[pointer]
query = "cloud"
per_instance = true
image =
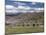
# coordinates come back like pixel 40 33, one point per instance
pixel 33 3
pixel 30 10
pixel 23 7
pixel 19 3
pixel 12 9
pixel 9 7
pixel 12 0
pixel 38 8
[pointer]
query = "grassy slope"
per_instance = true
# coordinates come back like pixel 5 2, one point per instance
pixel 36 16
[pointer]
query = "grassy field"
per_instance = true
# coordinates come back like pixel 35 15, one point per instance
pixel 15 30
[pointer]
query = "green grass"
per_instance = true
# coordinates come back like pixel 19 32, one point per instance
pixel 23 30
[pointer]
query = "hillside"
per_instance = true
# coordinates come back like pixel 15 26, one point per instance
pixel 26 22
pixel 25 17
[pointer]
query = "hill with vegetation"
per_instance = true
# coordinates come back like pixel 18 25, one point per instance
pixel 25 23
